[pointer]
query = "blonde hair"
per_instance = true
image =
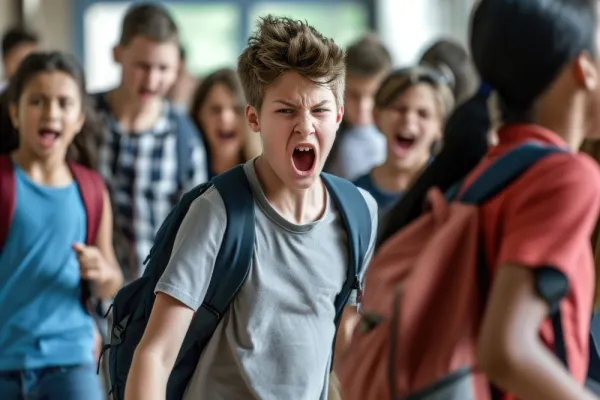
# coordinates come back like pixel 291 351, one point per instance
pixel 399 81
pixel 282 44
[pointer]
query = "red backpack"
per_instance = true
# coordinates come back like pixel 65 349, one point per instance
pixel 91 189
pixel 424 297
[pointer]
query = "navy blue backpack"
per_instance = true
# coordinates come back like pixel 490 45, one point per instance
pixel 133 304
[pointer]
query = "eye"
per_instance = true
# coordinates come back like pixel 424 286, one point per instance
pixel 65 102
pixel 321 110
pixel 285 111
pixel 425 114
pixel 34 101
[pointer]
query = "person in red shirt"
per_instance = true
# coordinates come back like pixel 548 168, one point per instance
pixel 541 58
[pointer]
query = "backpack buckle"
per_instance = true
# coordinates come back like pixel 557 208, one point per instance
pixel 117 331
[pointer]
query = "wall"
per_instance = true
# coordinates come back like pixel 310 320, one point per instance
pixel 8 16
pixel 52 20
pixel 408 29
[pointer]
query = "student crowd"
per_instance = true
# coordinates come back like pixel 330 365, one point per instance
pixel 312 223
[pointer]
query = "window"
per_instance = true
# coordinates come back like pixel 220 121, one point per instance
pixel 213 33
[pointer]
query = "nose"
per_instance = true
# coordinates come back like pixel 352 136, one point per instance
pixel 304 125
pixel 52 109
pixel 152 78
pixel 409 119
pixel 228 118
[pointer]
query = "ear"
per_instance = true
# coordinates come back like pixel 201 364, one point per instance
pixel 117 53
pixel 586 72
pixel 14 113
pixel 340 116
pixel 253 118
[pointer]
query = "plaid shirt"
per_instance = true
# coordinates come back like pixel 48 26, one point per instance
pixel 141 172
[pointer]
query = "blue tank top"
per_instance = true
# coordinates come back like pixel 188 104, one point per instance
pixel 42 320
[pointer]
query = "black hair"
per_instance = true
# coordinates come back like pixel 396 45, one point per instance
pixel 465 144
pixel 15 37
pixel 452 60
pixel 83 147
pixel 520 47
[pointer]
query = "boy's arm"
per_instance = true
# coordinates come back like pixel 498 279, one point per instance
pixel 180 292
pixel 510 350
pixel 157 351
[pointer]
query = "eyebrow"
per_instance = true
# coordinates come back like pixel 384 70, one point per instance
pixel 288 104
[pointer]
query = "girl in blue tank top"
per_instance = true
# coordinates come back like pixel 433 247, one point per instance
pixel 46 334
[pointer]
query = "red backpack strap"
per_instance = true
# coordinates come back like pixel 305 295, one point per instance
pixel 91 189
pixel 7 196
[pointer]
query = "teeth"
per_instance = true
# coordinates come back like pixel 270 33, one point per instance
pixel 303 148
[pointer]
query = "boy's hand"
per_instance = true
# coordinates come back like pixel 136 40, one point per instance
pixel 93 266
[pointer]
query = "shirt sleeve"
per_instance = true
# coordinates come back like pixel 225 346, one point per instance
pixel 195 251
pixel 549 218
pixel 373 210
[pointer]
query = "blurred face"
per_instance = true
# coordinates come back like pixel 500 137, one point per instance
pixel 48 114
pixel 298 122
pixel 222 119
pixel 15 56
pixel 149 68
pixel 411 125
pixel 359 95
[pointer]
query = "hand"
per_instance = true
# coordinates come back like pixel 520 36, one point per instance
pixel 92 265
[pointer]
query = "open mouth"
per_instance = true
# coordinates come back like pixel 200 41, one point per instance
pixel 146 93
pixel 48 136
pixel 226 135
pixel 304 158
pixel 404 142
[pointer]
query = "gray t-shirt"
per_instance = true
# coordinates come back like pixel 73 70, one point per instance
pixel 275 342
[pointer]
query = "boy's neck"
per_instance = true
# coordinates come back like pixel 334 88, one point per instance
pixel 131 114
pixel 297 206
pixel 52 171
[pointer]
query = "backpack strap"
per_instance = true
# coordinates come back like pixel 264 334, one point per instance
pixel 357 220
pixel 505 170
pixel 235 255
pixel 91 189
pixel 233 260
pixel 551 285
pixel 7 196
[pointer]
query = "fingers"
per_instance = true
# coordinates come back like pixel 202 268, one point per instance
pixel 85 254
pixel 79 248
pixel 91 274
